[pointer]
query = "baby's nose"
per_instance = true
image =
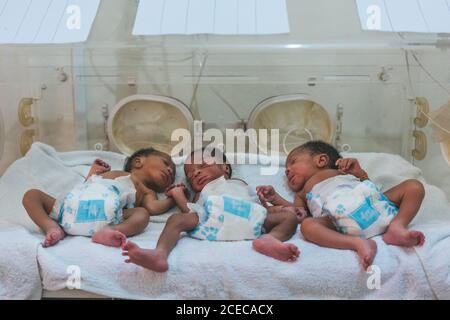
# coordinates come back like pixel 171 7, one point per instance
pixel 286 172
pixel 196 172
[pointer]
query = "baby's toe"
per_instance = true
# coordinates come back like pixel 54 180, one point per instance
pixel 419 236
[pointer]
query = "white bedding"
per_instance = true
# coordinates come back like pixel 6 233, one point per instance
pixel 232 270
pixel 19 273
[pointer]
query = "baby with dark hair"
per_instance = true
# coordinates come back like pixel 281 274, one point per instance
pixel 109 205
pixel 346 209
pixel 222 209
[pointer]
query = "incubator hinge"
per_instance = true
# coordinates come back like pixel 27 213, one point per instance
pixel 105 113
pixel 420 121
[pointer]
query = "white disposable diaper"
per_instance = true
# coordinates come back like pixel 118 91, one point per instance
pixel 356 208
pixel 228 210
pixel 94 204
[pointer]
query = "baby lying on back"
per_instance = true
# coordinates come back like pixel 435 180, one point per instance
pixel 222 209
pixel 109 205
pixel 348 209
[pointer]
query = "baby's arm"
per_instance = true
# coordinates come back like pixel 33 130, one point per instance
pixel 154 205
pixel 352 166
pixel 196 197
pixel 267 194
pixel 298 208
pixel 147 198
pixel 99 167
pixel 179 194
pixel 114 174
pixel 299 200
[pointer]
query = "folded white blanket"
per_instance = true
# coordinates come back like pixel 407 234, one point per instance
pixel 200 269
pixel 19 272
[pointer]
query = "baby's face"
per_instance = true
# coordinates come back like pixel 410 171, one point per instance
pixel 300 167
pixel 160 171
pixel 200 174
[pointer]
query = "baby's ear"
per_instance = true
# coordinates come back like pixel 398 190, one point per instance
pixel 226 169
pixel 322 161
pixel 138 163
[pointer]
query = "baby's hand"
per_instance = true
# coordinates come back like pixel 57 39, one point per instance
pixel 300 212
pixel 350 166
pixel 266 194
pixel 177 189
pixel 101 165
pixel 98 167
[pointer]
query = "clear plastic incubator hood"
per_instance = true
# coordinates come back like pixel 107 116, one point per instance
pixel 371 78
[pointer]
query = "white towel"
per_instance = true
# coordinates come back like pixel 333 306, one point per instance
pixel 19 272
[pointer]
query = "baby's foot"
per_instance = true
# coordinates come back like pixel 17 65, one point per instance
pixel 366 250
pixel 272 247
pixel 154 260
pixel 398 235
pixel 109 237
pixel 52 236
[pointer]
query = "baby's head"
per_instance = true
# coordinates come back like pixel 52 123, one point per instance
pixel 154 168
pixel 204 166
pixel 306 160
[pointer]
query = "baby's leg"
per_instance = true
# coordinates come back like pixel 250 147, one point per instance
pixel 274 209
pixel 281 227
pixel 321 231
pixel 39 205
pixel 135 221
pixel 408 197
pixel 156 259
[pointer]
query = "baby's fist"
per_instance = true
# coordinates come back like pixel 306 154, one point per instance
pixel 101 166
pixel 349 166
pixel 177 189
pixel 266 193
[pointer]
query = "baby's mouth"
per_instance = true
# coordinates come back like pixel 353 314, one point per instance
pixel 291 179
pixel 202 180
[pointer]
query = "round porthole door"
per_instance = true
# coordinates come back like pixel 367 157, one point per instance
pixel 297 118
pixel 143 121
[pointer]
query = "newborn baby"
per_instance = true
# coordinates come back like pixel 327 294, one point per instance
pixel 108 205
pixel 222 209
